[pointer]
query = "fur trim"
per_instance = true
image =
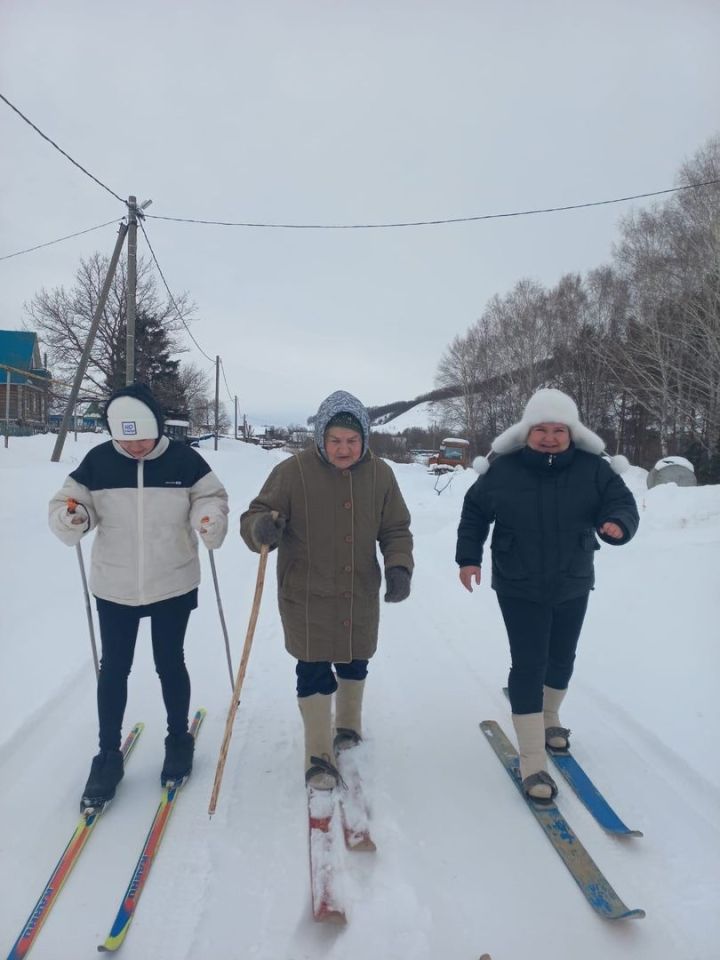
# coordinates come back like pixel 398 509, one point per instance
pixel 619 463
pixel 548 406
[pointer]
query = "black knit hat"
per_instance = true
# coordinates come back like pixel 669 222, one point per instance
pixel 345 420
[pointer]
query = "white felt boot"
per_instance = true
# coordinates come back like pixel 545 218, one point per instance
pixel 530 732
pixel 320 771
pixel 348 713
pixel 556 736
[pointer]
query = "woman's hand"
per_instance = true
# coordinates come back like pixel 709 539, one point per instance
pixel 612 530
pixel 467 574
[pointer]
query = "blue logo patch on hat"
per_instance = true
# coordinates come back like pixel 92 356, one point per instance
pixel 129 428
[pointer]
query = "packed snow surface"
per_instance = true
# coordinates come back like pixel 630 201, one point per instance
pixel 461 868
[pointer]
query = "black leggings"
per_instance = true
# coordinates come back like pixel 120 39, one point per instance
pixel 319 677
pixel 118 629
pixel 543 639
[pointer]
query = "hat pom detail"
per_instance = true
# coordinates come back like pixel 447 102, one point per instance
pixel 481 465
pixel 619 463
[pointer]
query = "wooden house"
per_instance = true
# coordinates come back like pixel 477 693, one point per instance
pixel 24 382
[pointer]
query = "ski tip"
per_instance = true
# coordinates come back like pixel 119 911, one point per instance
pixel 632 915
pixel 364 845
pixel 330 916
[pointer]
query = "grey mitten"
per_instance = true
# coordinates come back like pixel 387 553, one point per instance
pixel 397 583
pixel 266 531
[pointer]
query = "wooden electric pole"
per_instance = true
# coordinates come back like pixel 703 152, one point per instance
pixel 131 291
pixel 83 362
pixel 217 399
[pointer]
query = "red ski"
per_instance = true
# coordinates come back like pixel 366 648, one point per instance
pixel 353 804
pixel 325 856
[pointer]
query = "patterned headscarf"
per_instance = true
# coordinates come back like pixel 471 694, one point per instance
pixel 341 402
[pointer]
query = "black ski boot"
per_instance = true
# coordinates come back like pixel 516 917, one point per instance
pixel 106 772
pixel 179 748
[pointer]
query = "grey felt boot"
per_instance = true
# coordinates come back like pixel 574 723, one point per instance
pixel 320 771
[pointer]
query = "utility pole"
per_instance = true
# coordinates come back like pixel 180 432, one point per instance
pixel 131 291
pixel 217 399
pixel 236 416
pixel 82 364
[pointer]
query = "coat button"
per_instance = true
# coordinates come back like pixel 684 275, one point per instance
pixel 346 623
pixel 347 568
pixel 347 504
pixel 348 539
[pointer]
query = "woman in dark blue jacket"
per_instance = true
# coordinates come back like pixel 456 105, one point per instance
pixel 550 494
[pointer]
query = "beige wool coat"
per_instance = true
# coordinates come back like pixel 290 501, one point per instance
pixel 327 568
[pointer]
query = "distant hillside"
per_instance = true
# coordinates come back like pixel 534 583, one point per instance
pixel 389 411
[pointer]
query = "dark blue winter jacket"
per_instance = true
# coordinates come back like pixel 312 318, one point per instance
pixel 547 512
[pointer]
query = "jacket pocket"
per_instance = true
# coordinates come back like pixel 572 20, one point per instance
pixel 506 560
pixel 290 581
pixel 583 562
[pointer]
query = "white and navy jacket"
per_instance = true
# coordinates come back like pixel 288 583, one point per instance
pixel 144 514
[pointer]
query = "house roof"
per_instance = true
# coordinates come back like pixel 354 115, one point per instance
pixel 19 348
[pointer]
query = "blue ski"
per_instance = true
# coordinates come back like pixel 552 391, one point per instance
pixel 585 872
pixel 588 793
pixel 128 905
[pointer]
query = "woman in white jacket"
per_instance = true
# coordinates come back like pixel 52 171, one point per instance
pixel 144 496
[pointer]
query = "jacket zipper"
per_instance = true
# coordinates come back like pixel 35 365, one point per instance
pixel 141 552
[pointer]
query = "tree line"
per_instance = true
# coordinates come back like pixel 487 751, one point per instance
pixel 62 318
pixel 635 342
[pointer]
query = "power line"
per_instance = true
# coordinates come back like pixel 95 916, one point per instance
pixel 39 246
pixel 429 223
pixel 169 293
pixel 227 385
pixel 66 155
pixel 177 310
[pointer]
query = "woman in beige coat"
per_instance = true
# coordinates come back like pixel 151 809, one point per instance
pixel 334 502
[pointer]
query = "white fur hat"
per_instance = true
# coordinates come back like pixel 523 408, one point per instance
pixel 131 419
pixel 549 406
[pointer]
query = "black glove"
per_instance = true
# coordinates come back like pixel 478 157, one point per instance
pixel 266 531
pixel 397 582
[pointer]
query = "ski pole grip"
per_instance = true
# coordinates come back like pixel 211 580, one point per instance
pixel 72 505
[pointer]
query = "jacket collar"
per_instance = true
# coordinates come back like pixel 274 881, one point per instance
pixel 157 451
pixel 543 461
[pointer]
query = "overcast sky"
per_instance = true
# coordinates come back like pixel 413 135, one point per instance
pixel 342 111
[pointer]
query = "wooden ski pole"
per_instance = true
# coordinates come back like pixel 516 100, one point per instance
pixel 235 702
